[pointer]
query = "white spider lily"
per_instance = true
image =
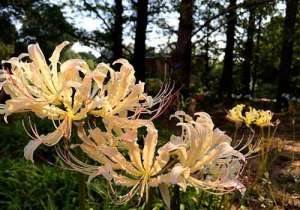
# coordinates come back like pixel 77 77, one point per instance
pixel 202 157
pixel 141 170
pixel 125 98
pixel 36 87
pixel 60 93
pixel 206 160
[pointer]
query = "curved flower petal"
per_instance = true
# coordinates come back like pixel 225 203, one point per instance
pixel 54 61
pixel 211 163
pixel 165 194
pixel 30 148
pixel 39 61
pixel 149 148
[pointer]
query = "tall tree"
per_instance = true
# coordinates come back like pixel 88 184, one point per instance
pixel 183 51
pixel 118 29
pixel 45 24
pixel 140 38
pixel 7 37
pixel 108 38
pixel 226 79
pixel 287 49
pixel 248 53
pixel 257 54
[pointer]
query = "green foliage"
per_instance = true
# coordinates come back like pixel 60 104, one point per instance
pixel 153 85
pixel 6 50
pixel 44 23
pixel 26 186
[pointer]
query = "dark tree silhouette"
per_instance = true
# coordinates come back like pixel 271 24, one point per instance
pixel 183 51
pixel 257 55
pixel 248 54
pixel 117 30
pixel 140 38
pixel 286 50
pixel 226 79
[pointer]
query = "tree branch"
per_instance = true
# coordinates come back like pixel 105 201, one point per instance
pixel 89 7
pixel 241 5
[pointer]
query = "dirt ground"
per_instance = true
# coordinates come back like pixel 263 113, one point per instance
pixel 285 167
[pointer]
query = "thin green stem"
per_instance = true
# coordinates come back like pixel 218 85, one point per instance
pixel 221 201
pixel 272 194
pixel 262 142
pixel 294 131
pixel 82 191
pixel 149 203
pixel 210 201
pixel 235 133
pixel 175 203
pixel 81 185
pixel 201 197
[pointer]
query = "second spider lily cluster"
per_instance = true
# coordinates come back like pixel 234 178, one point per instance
pixel 260 118
pixel 69 94
pixel 265 142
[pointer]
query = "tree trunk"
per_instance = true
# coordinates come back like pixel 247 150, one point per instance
pixel 206 47
pixel 140 38
pixel 118 30
pixel 226 79
pixel 257 56
pixel 206 61
pixel 183 51
pixel 286 51
pixel 248 54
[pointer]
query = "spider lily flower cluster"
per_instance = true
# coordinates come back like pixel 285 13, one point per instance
pixel 69 92
pixel 260 118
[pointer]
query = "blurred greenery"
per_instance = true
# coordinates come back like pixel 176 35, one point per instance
pixel 24 185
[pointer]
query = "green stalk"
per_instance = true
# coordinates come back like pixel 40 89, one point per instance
pixel 294 131
pixel 235 133
pixel 263 142
pixel 149 203
pixel 82 191
pixel 269 143
pixel 210 201
pixel 260 167
pixel 175 203
pixel 272 194
pixel 201 197
pixel 81 184
pixel 221 201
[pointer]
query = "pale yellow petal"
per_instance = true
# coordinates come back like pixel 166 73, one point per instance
pixel 165 194
pixel 113 154
pixel 150 142
pixel 38 59
pixel 54 61
pixel 30 148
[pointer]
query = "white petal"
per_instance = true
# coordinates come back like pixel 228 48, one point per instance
pixel 30 148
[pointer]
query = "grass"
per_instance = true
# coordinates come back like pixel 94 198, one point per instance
pixel 24 185
pixel 27 186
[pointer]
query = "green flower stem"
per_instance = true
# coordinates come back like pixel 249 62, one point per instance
pixel 82 191
pixel 235 133
pixel 210 201
pixel 81 183
pixel 149 204
pixel 221 201
pixel 175 203
pixel 201 197
pixel 263 142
